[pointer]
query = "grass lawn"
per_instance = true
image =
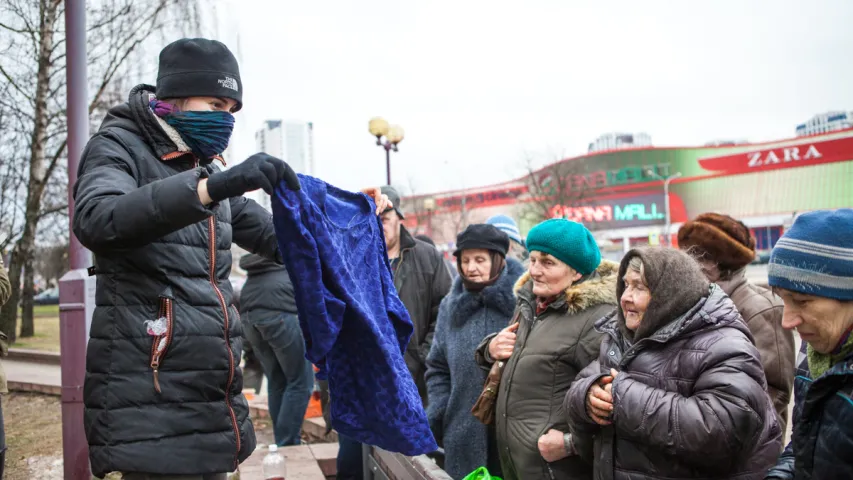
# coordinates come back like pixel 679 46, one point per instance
pixel 46 319
pixel 34 436
pixel 44 311
pixel 33 428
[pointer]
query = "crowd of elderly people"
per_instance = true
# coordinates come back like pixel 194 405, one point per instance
pixel 668 365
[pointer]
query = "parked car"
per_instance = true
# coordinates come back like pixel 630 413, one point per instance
pixel 47 297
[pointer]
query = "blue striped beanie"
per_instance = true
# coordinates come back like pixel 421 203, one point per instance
pixel 507 225
pixel 815 256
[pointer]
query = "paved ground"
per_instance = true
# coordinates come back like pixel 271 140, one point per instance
pixel 301 462
pixel 32 373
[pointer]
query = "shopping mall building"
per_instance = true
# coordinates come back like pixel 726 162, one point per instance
pixel 619 194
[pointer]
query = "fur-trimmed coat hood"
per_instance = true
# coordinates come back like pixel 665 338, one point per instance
pixel 598 289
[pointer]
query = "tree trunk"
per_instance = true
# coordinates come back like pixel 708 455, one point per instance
pixel 27 324
pixel 48 11
pixel 9 311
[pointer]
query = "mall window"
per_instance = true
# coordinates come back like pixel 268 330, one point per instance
pixel 766 237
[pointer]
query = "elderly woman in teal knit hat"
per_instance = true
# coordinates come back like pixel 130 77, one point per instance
pixel 811 268
pixel 566 289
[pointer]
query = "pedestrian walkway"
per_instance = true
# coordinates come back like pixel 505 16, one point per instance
pixel 33 377
pixel 303 462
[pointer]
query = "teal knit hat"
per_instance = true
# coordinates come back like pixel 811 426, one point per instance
pixel 568 241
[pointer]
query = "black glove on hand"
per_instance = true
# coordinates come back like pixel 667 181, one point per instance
pixel 260 171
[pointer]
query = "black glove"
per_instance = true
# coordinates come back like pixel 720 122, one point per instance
pixel 260 171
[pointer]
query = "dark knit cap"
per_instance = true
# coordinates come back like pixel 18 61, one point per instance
pixel 484 236
pixel 198 67
pixel 726 241
pixel 568 241
pixel 675 281
pixel 394 198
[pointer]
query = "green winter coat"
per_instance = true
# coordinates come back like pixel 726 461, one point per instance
pixel 551 349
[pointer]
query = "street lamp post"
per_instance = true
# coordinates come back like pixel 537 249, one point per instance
pixel 666 181
pixel 76 287
pixel 393 134
pixel 429 205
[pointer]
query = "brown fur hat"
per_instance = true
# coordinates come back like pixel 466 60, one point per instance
pixel 725 241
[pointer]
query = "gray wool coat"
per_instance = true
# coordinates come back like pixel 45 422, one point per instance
pixel 454 379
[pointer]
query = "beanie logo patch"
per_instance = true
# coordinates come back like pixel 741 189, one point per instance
pixel 229 82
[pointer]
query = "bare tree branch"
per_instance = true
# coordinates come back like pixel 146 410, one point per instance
pixel 110 20
pixel 54 159
pixel 14 84
pixel 33 177
pixel 52 210
pixel 15 30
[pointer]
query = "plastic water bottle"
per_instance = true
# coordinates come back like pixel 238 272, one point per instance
pixel 273 465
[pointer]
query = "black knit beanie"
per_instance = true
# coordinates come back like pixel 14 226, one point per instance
pixel 482 235
pixel 198 67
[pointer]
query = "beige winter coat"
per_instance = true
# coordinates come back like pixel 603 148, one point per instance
pixel 762 312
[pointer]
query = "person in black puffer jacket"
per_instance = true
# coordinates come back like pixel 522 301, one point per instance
pixel 271 325
pixel 678 390
pixel 163 385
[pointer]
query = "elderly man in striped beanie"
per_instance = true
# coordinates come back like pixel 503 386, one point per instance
pixel 811 268
pixel 506 224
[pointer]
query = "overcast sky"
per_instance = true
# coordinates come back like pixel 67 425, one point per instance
pixel 481 85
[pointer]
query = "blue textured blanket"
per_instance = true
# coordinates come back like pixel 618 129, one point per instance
pixel 355 326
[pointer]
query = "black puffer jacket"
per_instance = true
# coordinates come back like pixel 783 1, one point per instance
pixel 268 286
pixel 690 399
pixel 160 252
pixel 821 446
